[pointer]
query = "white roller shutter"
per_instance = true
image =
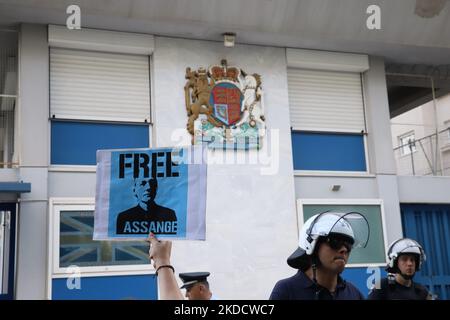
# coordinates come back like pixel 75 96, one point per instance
pixel 89 85
pixel 325 100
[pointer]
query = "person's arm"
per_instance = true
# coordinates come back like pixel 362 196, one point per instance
pixel 167 283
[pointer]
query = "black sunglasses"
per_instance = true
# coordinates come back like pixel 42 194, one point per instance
pixel 336 242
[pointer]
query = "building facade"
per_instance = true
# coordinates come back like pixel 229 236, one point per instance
pixel 425 154
pixel 118 83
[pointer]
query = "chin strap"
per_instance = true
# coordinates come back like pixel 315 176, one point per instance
pixel 314 270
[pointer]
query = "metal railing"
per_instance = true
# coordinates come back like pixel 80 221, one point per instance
pixel 427 156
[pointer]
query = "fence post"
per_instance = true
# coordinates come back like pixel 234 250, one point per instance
pixel 412 156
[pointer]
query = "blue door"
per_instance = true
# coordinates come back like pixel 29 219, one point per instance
pixel 430 226
pixel 7 249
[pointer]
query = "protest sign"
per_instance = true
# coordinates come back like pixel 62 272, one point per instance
pixel 139 191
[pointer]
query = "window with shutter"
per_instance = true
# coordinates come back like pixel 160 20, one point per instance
pixel 87 85
pixel 325 101
pixel 327 110
pixel 98 100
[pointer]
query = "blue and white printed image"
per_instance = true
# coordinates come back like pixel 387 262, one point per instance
pixel 160 190
pixel 148 193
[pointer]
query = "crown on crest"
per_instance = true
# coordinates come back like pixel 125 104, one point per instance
pixel 223 72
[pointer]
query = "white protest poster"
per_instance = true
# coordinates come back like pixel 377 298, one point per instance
pixel 139 191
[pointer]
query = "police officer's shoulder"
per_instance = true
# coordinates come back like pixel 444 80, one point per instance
pixel 286 288
pixel 379 289
pixel 421 290
pixel 382 284
pixel 353 291
pixel 288 283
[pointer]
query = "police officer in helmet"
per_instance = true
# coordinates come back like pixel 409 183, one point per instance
pixel 325 243
pixel 406 257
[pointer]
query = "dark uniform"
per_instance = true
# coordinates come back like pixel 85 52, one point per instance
pixel 392 290
pixel 301 287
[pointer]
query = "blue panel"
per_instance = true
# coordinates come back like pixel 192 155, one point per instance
pixel 15 187
pixel 328 151
pixel 76 143
pixel 359 276
pixel 134 287
pixel 430 226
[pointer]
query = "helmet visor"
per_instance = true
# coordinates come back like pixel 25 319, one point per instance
pixel 358 225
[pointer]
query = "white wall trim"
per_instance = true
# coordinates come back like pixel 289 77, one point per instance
pixel 368 265
pixel 53 269
pixel 71 168
pixel 101 40
pixel 340 174
pixel 376 202
pixel 326 60
pixel 423 189
pixel 49 249
pixel 328 130
pixel 16 251
pixel 85 274
pixel 366 153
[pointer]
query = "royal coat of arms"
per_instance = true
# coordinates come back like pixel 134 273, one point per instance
pixel 225 107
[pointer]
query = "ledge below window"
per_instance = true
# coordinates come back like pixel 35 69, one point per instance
pixel 15 187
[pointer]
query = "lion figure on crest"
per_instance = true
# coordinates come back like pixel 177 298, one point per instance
pixel 197 91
